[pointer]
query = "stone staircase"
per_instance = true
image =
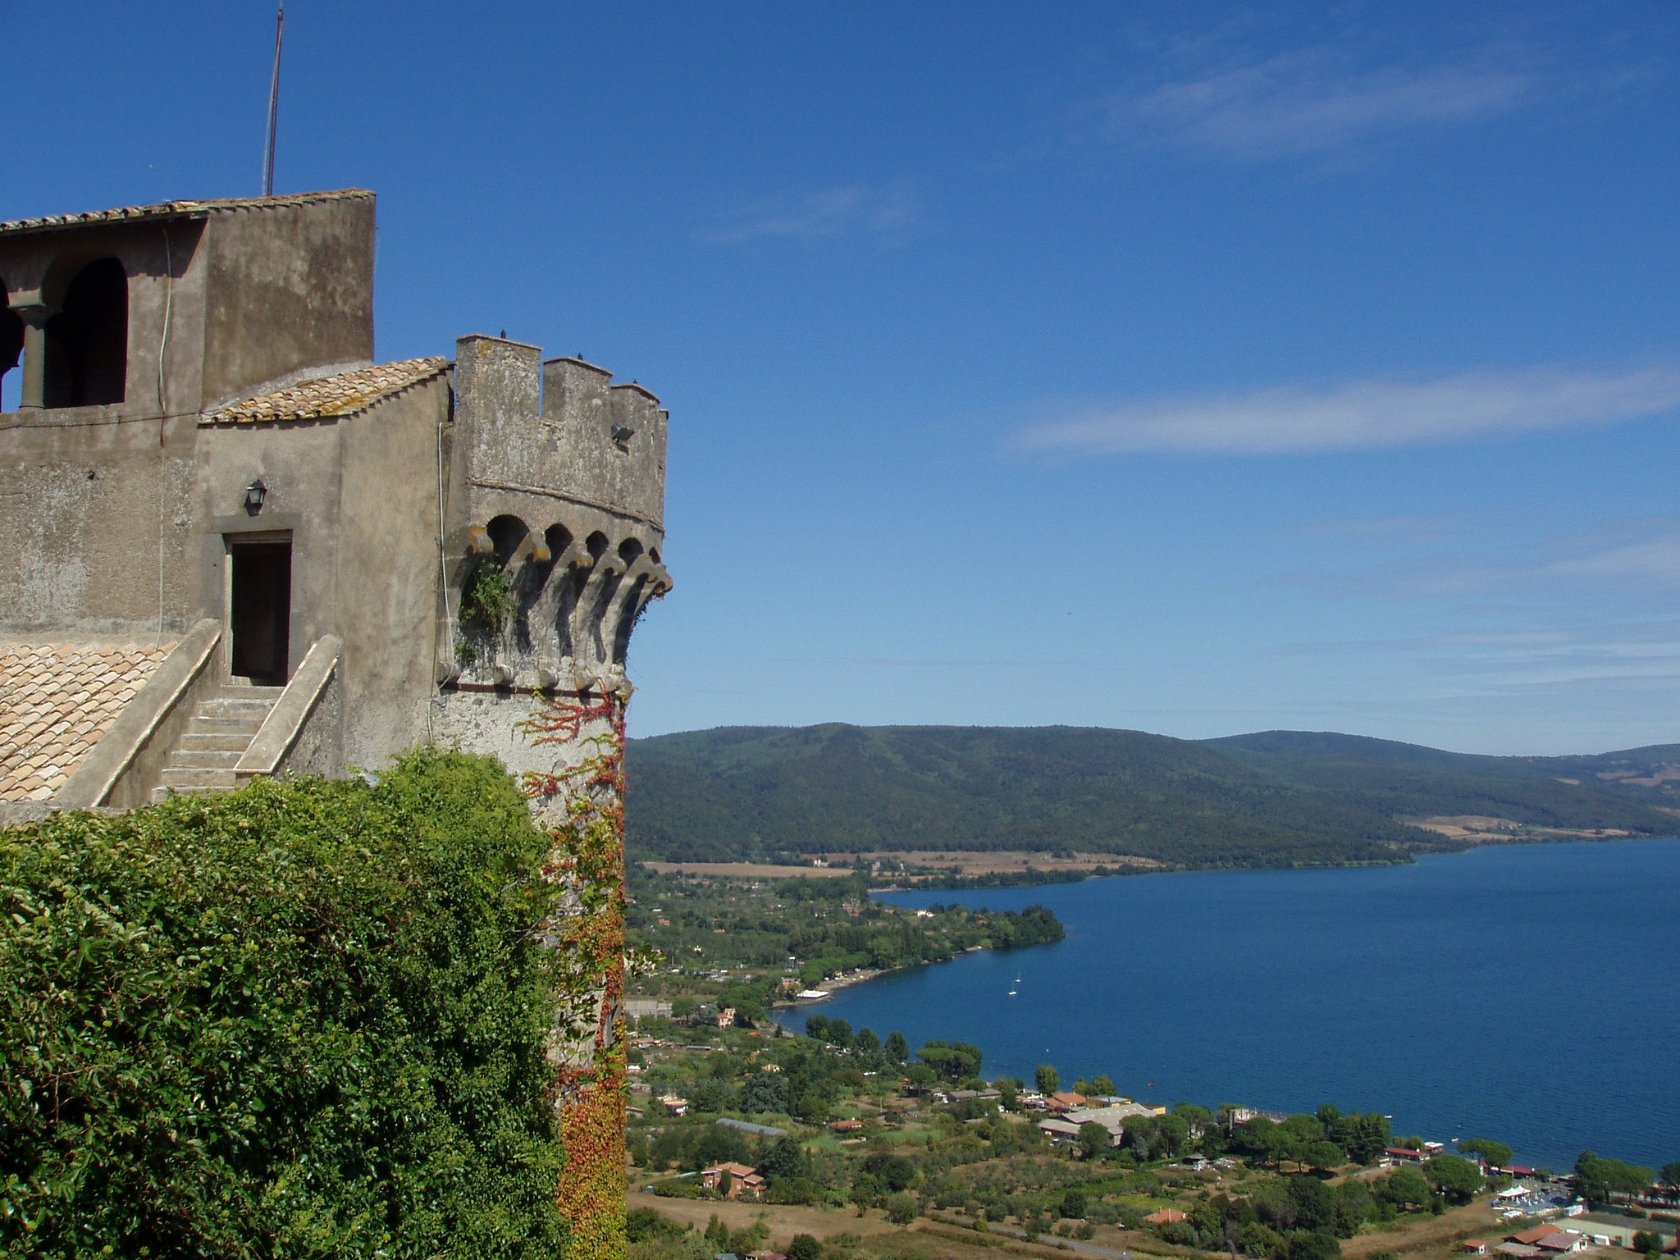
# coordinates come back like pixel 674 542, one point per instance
pixel 219 732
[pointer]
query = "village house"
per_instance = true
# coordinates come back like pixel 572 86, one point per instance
pixel 733 1181
pixel 1064 1101
pixel 1542 1241
pixel 674 1104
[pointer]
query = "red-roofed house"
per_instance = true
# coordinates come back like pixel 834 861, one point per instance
pixel 744 1182
pixel 1065 1100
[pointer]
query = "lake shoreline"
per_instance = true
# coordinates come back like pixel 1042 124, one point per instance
pixel 1355 969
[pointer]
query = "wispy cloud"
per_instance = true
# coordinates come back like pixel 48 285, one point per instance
pixel 1655 559
pixel 1633 563
pixel 825 212
pixel 1365 415
pixel 1314 101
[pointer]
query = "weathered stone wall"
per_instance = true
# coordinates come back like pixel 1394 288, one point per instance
pixel 558 478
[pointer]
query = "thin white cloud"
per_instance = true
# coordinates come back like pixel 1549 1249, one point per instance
pixel 1313 101
pixel 1654 559
pixel 825 212
pixel 1365 415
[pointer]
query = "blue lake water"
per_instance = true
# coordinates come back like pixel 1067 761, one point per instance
pixel 1522 992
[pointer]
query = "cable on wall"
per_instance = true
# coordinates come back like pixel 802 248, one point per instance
pixel 163 414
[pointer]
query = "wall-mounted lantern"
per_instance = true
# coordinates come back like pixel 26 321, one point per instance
pixel 255 493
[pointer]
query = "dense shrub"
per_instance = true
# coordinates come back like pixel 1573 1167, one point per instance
pixel 306 1019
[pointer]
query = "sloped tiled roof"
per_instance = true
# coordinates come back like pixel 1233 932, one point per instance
pixel 342 394
pixel 56 701
pixel 177 210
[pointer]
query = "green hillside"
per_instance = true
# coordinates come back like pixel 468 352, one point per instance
pixel 1278 798
pixel 1409 781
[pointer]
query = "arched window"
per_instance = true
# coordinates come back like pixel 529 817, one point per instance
pixel 11 352
pixel 87 341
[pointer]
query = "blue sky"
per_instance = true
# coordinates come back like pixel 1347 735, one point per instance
pixel 1193 368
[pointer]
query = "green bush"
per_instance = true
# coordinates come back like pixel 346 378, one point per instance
pixel 305 1019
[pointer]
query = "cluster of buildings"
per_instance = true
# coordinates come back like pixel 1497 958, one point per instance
pixel 1071 1112
pixel 1599 1230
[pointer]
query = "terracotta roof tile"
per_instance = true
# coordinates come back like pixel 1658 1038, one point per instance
pixel 56 701
pixel 342 394
pixel 176 210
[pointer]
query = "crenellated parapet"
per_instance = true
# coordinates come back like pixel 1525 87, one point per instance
pixel 557 488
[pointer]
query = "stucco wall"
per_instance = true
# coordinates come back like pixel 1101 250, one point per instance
pixel 96 524
pixel 289 287
pixel 299 462
pixel 388 571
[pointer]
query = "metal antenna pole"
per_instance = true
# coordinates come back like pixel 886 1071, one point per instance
pixel 273 103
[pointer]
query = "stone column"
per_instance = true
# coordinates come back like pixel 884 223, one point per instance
pixel 34 313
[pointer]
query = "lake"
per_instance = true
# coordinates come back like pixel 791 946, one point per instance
pixel 1518 992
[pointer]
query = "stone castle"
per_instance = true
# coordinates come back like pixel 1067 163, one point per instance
pixel 233 545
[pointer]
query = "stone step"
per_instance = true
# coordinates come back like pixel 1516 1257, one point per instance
pixel 158 795
pixel 235 707
pixel 220 731
pixel 201 742
pixel 246 726
pixel 205 758
pixel 188 778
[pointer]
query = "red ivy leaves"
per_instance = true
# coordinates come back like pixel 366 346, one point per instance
pixel 589 855
pixel 592 1188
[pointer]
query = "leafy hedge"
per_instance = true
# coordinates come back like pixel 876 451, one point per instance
pixel 306 1019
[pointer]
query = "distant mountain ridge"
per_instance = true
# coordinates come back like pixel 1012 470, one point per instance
pixel 1273 798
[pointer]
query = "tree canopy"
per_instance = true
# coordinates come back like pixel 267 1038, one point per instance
pixel 309 1013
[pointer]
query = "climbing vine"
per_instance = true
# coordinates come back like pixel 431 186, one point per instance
pixel 588 861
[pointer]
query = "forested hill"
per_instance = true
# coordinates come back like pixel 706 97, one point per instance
pixel 1274 799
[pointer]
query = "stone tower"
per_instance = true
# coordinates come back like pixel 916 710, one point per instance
pixel 232 544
